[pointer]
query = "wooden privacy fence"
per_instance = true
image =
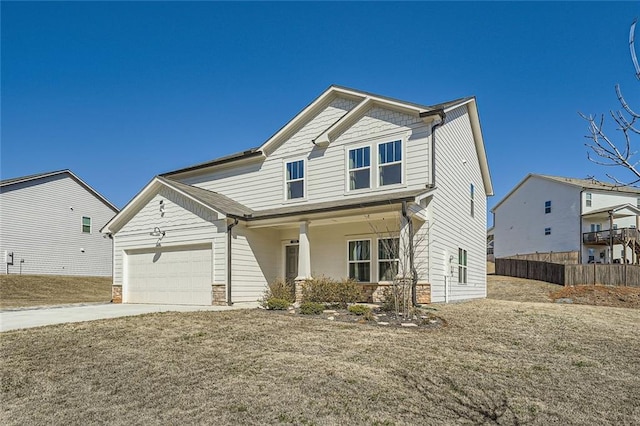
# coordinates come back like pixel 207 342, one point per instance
pixel 591 274
pixel 549 256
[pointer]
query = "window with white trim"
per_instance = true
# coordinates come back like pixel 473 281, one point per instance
pixel 390 163
pixel 295 179
pixel 462 266
pixel 472 191
pixel 86 225
pixel 588 199
pixel 638 202
pixel 360 260
pixel 360 168
pixel 547 231
pixel 547 207
pixel 388 258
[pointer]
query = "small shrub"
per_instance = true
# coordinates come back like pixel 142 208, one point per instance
pixel 277 304
pixel 311 308
pixel 390 298
pixel 326 290
pixel 279 289
pixel 368 316
pixel 359 309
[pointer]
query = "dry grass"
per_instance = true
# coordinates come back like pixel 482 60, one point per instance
pixel 41 290
pixel 519 289
pixel 498 362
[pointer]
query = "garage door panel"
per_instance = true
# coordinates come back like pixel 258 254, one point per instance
pixel 170 276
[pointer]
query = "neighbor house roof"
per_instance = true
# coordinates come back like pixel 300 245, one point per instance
pixel 620 210
pixel 575 182
pixel 366 100
pixel 6 183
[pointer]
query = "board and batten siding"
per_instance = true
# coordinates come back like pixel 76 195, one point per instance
pixel 325 168
pixel 452 226
pixel 520 221
pixel 184 222
pixel 41 223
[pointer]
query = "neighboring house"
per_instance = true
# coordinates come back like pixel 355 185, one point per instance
pixel 50 225
pixel 556 214
pixel 337 192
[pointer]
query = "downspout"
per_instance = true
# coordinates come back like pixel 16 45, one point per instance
pixel 443 116
pixel 414 273
pixel 229 228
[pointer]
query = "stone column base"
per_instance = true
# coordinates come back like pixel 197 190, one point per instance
pixel 218 294
pixel 116 294
pixel 298 289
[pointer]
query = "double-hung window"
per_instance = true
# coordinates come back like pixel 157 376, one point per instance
pixel 390 163
pixel 86 225
pixel 547 207
pixel 295 179
pixel 588 199
pixel 472 191
pixel 388 258
pixel 360 260
pixel 360 168
pixel 462 266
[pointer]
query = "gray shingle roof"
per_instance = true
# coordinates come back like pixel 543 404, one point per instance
pixel 4 182
pixel 216 201
pixel 592 184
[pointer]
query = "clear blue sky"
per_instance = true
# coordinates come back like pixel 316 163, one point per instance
pixel 121 92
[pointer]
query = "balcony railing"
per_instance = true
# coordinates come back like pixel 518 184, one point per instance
pixel 619 235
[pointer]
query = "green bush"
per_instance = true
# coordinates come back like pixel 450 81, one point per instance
pixel 277 304
pixel 279 289
pixel 359 309
pixel 326 290
pixel 311 308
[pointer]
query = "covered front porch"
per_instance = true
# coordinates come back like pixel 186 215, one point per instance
pixel 374 245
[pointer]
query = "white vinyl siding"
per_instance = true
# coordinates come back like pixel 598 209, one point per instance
pixel 41 223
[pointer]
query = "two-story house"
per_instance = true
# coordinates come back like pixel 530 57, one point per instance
pixel 598 221
pixel 50 225
pixel 350 187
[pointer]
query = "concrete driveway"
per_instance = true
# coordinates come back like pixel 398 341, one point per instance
pixel 14 319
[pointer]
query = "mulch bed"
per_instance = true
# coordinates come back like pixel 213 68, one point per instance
pixel 421 318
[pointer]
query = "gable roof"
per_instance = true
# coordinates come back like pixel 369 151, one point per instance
pixel 366 101
pixel 620 210
pixel 5 183
pixel 575 182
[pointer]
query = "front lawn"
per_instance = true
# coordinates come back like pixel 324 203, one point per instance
pixel 496 362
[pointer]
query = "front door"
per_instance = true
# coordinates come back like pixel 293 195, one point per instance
pixel 291 263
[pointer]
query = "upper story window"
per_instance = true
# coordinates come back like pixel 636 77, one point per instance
pixel 388 258
pixel 390 163
pixel 360 260
pixel 638 202
pixel 547 231
pixel 360 168
pixel 472 191
pixel 547 207
pixel 295 179
pixel 462 266
pixel 86 225
pixel 588 199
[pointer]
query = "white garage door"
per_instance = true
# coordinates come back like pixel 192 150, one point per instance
pixel 180 275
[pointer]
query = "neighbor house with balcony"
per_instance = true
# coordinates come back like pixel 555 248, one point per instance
pixel 596 220
pixel 351 187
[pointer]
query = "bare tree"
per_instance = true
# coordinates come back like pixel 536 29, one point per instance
pixel 601 149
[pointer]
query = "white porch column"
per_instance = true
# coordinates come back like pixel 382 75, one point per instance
pixel 304 253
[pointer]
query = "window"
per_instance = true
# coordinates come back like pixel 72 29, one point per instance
pixel 615 226
pixel 638 202
pixel 360 260
pixel 388 258
pixel 595 227
pixel 547 231
pixel 390 163
pixel 588 199
pixel 86 225
pixel 471 193
pixel 462 266
pixel 547 207
pixel 295 179
pixel 359 168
